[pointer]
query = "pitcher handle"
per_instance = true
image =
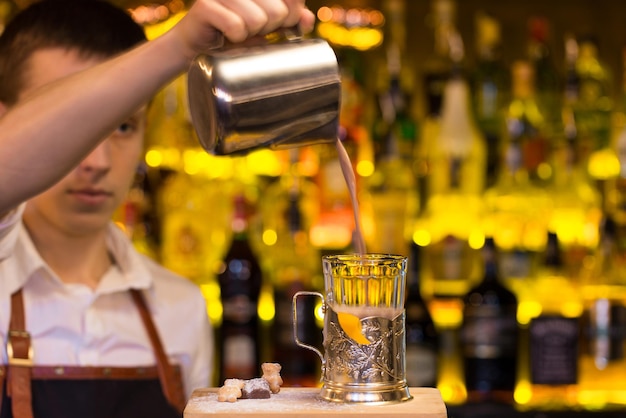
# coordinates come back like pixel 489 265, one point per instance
pixel 290 34
pixel 295 323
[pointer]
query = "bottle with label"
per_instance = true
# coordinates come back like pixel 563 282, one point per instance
pixel 603 348
pixel 240 281
pixel 490 91
pixel 526 123
pixel 450 227
pixel 445 59
pixel 489 335
pixel 553 337
pixel 421 334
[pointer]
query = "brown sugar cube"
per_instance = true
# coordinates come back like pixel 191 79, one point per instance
pixel 256 389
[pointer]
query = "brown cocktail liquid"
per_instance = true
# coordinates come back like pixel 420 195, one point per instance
pixel 348 174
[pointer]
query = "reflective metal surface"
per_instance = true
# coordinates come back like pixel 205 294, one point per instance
pixel 270 94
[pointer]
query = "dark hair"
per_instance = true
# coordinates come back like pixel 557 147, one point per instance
pixel 94 28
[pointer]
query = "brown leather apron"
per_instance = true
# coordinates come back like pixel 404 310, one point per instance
pixel 73 391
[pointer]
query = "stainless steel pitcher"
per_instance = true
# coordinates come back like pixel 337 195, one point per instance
pixel 278 93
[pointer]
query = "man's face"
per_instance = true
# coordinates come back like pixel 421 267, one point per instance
pixel 84 200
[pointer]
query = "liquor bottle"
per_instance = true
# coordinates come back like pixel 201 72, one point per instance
pixel 526 123
pixel 392 188
pixel 490 335
pixel 240 280
pixel 421 334
pixel 553 337
pixel 549 90
pixel 603 355
pixel 490 91
pixel 450 226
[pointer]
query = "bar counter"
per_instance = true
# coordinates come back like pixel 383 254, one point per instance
pixel 306 403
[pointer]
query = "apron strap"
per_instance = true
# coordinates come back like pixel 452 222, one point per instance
pixel 171 383
pixel 20 360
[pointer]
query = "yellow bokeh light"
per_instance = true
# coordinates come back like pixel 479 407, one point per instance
pixel 365 168
pixel 211 292
pixel 522 392
pixel 603 164
pixel 421 237
pixel 154 158
pixel 266 310
pixel 270 237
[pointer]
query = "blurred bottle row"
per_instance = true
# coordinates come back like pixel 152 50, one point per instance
pixel 507 192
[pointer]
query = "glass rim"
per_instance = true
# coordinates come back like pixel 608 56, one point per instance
pixel 368 257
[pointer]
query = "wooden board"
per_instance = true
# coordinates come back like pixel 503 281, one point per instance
pixel 306 402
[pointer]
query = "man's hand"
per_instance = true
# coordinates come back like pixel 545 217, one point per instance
pixel 237 20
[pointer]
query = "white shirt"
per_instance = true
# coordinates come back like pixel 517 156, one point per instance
pixel 74 325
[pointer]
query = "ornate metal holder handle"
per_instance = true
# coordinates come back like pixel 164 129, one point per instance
pixel 295 324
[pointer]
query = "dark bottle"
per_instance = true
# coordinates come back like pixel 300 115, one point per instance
pixel 421 335
pixel 240 281
pixel 554 335
pixel 490 336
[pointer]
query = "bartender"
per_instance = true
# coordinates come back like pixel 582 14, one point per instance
pixel 91 328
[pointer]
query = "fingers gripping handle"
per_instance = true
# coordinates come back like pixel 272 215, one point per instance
pixel 292 33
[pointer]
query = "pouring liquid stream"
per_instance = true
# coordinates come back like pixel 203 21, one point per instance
pixel 348 174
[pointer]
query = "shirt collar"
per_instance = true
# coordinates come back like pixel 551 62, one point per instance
pixel 132 271
pixel 27 259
